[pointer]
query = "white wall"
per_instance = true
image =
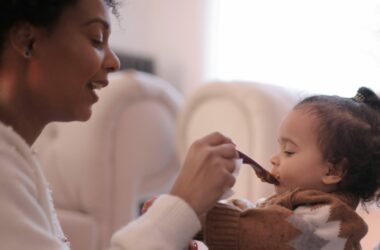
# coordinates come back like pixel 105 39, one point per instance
pixel 169 31
pixel 325 46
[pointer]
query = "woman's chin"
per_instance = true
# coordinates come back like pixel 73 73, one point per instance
pixel 84 117
pixel 80 116
pixel 83 114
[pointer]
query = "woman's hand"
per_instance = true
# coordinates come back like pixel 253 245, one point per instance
pixel 207 172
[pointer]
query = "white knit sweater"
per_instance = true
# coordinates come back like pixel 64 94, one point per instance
pixel 28 219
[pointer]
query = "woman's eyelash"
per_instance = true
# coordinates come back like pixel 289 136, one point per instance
pixel 97 43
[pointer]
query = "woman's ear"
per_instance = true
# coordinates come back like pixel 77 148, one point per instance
pixel 334 173
pixel 22 37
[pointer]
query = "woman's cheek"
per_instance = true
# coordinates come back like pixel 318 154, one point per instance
pixel 88 55
pixel 92 62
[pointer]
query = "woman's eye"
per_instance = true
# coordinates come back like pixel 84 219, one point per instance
pixel 97 40
pixel 97 43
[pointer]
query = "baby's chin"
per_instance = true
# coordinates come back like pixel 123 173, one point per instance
pixel 280 189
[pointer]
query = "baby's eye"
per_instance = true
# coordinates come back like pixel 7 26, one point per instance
pixel 288 153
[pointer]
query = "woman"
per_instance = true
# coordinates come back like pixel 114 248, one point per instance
pixel 54 54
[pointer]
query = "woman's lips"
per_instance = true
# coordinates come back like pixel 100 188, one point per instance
pixel 98 84
pixel 94 96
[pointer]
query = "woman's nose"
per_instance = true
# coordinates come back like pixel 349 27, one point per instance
pixel 111 61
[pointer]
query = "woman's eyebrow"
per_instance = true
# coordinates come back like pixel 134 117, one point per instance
pixel 103 22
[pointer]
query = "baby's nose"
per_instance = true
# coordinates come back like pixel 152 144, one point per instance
pixel 275 160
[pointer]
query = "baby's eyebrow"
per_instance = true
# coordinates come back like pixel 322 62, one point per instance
pixel 284 140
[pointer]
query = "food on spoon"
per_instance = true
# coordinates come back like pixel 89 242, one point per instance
pixel 261 172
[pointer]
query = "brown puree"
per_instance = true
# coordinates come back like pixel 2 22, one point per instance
pixel 261 172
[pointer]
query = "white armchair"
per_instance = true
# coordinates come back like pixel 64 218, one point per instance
pixel 101 170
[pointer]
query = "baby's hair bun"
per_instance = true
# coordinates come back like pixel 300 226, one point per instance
pixel 368 97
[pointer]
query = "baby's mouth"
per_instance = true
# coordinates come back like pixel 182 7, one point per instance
pixel 260 171
pixel 277 177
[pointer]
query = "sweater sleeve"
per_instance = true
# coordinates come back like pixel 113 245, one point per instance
pixel 306 222
pixel 168 224
pixel 230 228
pixel 24 223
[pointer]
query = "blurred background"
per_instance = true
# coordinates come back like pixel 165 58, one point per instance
pixel 326 46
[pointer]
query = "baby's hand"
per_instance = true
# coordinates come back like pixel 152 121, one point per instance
pixel 148 204
pixel 193 245
pixel 242 204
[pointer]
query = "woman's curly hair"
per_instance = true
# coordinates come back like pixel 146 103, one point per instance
pixel 349 134
pixel 43 13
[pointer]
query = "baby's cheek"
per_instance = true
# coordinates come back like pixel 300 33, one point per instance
pixel 289 181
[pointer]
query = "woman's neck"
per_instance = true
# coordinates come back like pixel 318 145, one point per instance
pixel 16 109
pixel 29 129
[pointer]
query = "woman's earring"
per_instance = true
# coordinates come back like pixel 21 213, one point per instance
pixel 27 53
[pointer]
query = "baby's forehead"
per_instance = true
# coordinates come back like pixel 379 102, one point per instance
pixel 300 123
pixel 301 116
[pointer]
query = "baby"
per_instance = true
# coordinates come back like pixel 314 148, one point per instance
pixel 328 162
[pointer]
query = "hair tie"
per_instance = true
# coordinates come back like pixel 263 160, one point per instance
pixel 359 97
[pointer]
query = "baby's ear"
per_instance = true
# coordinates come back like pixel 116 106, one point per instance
pixel 334 173
pixel 331 179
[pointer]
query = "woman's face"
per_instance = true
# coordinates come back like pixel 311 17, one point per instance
pixel 70 61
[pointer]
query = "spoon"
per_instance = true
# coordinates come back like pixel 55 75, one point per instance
pixel 261 172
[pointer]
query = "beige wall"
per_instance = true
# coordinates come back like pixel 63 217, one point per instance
pixel 169 31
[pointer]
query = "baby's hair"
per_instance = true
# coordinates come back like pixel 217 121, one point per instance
pixel 348 133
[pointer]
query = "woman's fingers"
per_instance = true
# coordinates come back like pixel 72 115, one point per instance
pixel 228 164
pixel 215 138
pixel 207 172
pixel 226 150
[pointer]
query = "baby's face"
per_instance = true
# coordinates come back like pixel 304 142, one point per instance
pixel 299 161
